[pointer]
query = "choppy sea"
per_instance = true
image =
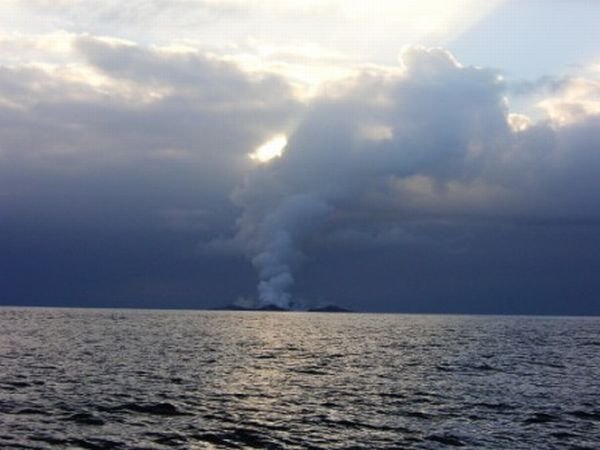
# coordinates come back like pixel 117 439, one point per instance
pixel 141 379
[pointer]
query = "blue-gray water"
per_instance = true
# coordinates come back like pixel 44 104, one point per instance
pixel 95 379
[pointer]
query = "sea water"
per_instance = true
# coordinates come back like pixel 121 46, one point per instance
pixel 141 379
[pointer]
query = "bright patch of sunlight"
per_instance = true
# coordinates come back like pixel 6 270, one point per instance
pixel 271 149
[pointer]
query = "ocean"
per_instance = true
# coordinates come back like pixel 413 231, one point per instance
pixel 146 379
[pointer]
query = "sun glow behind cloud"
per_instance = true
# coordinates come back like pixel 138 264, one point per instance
pixel 311 43
pixel 273 148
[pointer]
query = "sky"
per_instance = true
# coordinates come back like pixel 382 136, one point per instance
pixel 393 156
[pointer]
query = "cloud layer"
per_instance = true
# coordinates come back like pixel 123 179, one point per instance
pixel 130 142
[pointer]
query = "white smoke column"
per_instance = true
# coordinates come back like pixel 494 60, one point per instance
pixel 278 237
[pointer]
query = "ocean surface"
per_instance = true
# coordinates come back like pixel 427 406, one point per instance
pixel 141 379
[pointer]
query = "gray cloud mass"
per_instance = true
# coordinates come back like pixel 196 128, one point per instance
pixel 433 141
pixel 405 159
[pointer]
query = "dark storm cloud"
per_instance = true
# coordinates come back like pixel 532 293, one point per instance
pixel 152 149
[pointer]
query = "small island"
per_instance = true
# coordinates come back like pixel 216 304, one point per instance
pixel 330 309
pixel 276 308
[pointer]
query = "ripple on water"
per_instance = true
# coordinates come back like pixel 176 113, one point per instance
pixel 160 409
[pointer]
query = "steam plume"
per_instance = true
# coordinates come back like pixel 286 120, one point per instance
pixel 279 235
